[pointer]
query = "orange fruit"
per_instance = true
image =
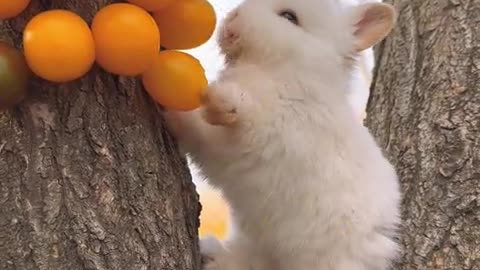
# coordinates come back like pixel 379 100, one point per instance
pixel 14 75
pixel 58 46
pixel 214 216
pixel 186 24
pixel 12 8
pixel 151 5
pixel 176 80
pixel 126 39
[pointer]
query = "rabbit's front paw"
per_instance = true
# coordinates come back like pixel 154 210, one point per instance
pixel 220 261
pixel 216 257
pixel 175 123
pixel 211 250
pixel 222 103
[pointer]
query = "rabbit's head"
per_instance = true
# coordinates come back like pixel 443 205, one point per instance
pixel 302 31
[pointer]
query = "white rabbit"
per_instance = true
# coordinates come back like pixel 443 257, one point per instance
pixel 308 187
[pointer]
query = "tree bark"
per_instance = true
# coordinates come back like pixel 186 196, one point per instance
pixel 89 178
pixel 424 110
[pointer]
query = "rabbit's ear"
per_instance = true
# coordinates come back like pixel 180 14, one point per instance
pixel 372 22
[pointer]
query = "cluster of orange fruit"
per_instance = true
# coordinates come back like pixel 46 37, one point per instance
pixel 124 39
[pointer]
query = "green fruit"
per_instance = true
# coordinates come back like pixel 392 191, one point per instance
pixel 14 76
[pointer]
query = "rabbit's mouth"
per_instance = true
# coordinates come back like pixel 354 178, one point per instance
pixel 230 44
pixel 229 37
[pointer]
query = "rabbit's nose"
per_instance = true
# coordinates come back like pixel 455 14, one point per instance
pixel 233 14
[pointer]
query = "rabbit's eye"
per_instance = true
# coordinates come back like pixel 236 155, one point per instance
pixel 289 15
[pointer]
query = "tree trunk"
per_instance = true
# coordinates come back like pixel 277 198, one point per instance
pixel 424 110
pixel 89 179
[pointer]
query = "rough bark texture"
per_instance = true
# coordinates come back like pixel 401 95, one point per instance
pixel 89 179
pixel 425 111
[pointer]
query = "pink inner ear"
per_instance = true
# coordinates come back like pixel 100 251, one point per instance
pixel 360 25
pixel 369 16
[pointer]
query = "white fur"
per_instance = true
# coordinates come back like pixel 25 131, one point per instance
pixel 308 187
